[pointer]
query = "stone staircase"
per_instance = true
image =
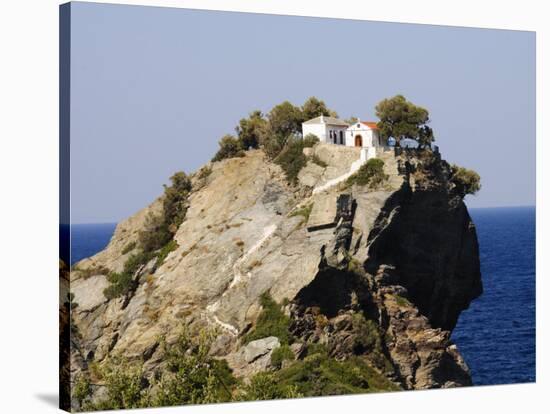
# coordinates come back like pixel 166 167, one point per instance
pixel 365 154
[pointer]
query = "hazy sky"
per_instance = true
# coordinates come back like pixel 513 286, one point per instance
pixel 153 90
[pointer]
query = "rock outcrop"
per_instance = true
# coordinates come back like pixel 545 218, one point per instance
pixel 385 278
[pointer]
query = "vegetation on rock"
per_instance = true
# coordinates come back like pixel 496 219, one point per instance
pixel 192 376
pixel 292 159
pixel 252 130
pixel 318 374
pixel 285 120
pixel 272 132
pixel 265 386
pixel 314 107
pixel 310 140
pixel 204 172
pixel 123 381
pixel 271 322
pixel 168 247
pixel 230 147
pixel 157 235
pixel 129 247
pixel 92 271
pixel 371 173
pixel 280 354
pixel 123 282
pixel 401 119
pixel 466 181
pixel 160 229
pixel 305 212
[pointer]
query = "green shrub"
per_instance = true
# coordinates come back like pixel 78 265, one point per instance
pixel 367 337
pixel 129 247
pixel 368 340
pixel 272 145
pixel 292 159
pixel 159 229
pixel 168 247
pixel 122 283
pixel 354 265
pixel 204 173
pixel 192 375
pixel 285 119
pixel 318 374
pixel 93 271
pixel 314 107
pixel 271 322
pixel 466 181
pixel 310 140
pixel 230 147
pixel 305 212
pixel 283 353
pixel 82 389
pixel 264 386
pixel 155 233
pixel 158 233
pixel 371 173
pixel 124 384
pixel 252 130
pixel 401 301
pixel 136 260
pixel 175 201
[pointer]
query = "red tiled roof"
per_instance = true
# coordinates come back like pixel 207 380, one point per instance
pixel 371 125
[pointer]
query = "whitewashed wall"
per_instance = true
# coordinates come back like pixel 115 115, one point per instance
pixel 336 130
pixel 319 130
pixel 322 131
pixel 370 136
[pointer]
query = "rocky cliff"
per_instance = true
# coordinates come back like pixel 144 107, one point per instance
pixel 380 273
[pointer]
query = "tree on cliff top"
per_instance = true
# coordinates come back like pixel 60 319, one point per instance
pixel 466 181
pixel 401 119
pixel 252 130
pixel 273 131
pixel 313 107
pixel 285 119
pixel 230 147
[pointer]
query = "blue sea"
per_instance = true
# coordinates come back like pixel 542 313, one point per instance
pixel 88 239
pixel 496 335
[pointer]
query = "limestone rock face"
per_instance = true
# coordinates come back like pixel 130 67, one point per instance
pixel 405 257
pixel 260 347
pixel 254 357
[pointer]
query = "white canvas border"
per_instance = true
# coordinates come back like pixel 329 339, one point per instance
pixel 28 167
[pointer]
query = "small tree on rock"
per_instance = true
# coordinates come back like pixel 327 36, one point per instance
pixel 230 147
pixel 466 181
pixel 252 130
pixel 175 200
pixel 285 120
